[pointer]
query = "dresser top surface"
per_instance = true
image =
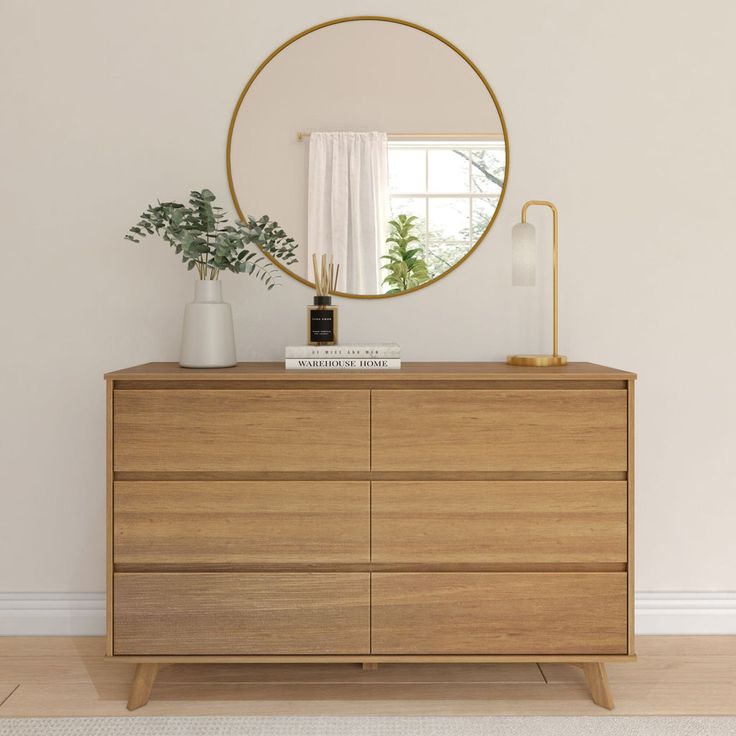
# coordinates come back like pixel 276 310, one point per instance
pixel 408 371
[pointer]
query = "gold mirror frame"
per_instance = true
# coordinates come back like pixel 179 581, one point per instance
pixel 384 19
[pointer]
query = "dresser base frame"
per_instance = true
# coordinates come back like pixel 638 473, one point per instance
pixel 594 667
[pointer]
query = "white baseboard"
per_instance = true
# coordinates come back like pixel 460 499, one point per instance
pixel 83 614
pixel 686 613
pixel 52 614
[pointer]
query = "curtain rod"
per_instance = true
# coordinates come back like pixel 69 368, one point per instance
pixel 300 136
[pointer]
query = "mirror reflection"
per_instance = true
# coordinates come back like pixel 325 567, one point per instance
pixel 393 163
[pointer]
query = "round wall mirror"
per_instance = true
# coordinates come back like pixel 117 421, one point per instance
pixel 375 143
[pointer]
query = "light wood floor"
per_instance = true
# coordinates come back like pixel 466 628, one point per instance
pixel 70 677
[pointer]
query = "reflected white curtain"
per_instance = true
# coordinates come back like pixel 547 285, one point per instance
pixel 348 205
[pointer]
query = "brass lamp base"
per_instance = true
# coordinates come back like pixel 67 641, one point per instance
pixel 537 361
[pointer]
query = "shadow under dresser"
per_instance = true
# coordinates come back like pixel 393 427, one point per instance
pixel 443 512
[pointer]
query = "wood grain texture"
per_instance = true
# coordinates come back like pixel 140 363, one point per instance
pixel 109 561
pixel 499 522
pixel 365 383
pixel 7 689
pixel 241 430
pixel 140 688
pixel 378 567
pixel 457 371
pixel 242 613
pixel 327 475
pixel 230 522
pixel 423 659
pixel 597 679
pixel 511 430
pixel 474 465
pixel 631 481
pixel 497 613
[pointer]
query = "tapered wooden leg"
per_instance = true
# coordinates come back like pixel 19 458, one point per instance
pixel 370 665
pixel 597 678
pixel 140 689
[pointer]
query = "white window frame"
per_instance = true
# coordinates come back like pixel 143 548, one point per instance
pixel 446 145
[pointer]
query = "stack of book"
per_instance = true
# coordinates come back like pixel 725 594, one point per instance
pixel 376 356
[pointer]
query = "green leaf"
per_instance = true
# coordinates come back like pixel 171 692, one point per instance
pixel 406 266
pixel 201 235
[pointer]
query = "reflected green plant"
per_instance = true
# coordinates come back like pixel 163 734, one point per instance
pixel 406 265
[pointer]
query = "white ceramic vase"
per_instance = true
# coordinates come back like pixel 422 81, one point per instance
pixel 208 338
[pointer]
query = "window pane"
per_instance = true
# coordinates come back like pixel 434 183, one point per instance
pixel 483 209
pixel 449 219
pixel 448 171
pixel 409 206
pixel 488 170
pixel 406 170
pixel 440 257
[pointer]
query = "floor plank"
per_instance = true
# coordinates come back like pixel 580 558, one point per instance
pixel 56 646
pixel 7 689
pixel 70 677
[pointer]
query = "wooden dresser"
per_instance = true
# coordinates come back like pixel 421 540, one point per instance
pixel 453 512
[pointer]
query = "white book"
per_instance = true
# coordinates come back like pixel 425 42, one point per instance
pixel 358 350
pixel 342 364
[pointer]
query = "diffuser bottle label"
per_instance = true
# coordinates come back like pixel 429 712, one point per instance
pixel 321 325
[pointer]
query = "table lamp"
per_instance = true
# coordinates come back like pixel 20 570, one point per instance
pixel 523 273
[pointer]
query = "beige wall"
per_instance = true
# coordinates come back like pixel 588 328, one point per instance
pixel 622 113
pixel 352 76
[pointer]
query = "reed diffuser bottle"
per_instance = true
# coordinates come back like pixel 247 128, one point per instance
pixel 322 316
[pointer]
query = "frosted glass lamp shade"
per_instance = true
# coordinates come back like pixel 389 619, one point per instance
pixel 523 255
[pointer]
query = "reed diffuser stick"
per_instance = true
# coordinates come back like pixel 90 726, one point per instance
pixel 325 275
pixel 316 272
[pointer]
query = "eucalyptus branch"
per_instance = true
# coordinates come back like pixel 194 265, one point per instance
pixel 200 233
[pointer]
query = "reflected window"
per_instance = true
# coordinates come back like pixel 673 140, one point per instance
pixel 451 188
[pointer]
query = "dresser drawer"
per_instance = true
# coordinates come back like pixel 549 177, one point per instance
pixel 241 430
pixel 500 430
pixel 231 522
pixel 499 521
pixel 499 613
pixel 241 613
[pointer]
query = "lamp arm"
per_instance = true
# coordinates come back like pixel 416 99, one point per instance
pixel 545 203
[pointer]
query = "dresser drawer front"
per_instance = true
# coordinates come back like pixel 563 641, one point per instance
pixel 241 522
pixel 500 430
pixel 241 430
pixel 499 613
pixel 499 522
pixel 241 613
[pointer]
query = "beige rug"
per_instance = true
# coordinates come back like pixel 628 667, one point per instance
pixel 373 726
